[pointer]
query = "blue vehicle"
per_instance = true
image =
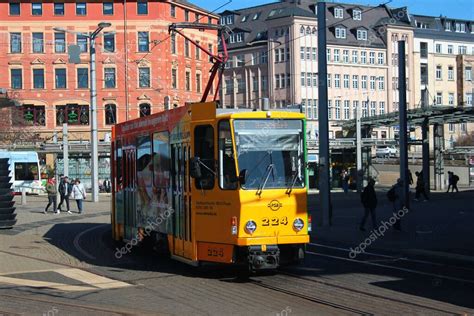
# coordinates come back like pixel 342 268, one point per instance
pixel 24 170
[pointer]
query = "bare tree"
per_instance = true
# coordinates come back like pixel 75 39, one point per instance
pixel 14 129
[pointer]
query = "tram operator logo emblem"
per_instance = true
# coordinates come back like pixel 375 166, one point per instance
pixel 275 205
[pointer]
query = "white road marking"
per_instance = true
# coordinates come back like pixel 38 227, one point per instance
pixel 394 268
pixel 43 284
pixel 76 241
pixel 92 279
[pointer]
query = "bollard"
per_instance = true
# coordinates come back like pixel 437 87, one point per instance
pixel 23 196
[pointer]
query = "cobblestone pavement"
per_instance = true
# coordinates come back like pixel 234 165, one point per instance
pixel 66 264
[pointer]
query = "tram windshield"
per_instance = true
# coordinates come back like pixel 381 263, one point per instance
pixel 270 153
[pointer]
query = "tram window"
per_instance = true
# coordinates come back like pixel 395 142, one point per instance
pixel 119 157
pixel 227 172
pixel 144 171
pixel 204 149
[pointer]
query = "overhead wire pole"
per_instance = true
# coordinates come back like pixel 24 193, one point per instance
pixel 324 188
pixel 402 112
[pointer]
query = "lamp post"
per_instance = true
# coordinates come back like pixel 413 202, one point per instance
pixel 93 95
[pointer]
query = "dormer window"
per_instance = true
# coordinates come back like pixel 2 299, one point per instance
pixel 447 26
pixel 256 16
pixel 229 19
pixel 272 13
pixel 357 14
pixel 340 32
pixel 361 35
pixel 460 27
pixel 239 37
pixel 338 13
pixel 244 18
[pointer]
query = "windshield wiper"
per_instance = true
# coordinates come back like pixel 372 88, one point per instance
pixel 293 181
pixel 266 176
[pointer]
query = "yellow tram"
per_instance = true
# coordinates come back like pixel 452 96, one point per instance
pixel 213 185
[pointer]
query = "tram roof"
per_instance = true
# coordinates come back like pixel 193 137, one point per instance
pixel 415 117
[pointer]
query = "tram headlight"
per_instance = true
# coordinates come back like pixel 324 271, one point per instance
pixel 298 224
pixel 250 227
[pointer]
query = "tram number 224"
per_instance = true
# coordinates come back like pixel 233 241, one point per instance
pixel 274 221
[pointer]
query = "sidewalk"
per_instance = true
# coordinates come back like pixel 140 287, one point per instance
pixel 441 227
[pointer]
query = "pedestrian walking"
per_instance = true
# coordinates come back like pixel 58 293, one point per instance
pixel 395 195
pixel 78 193
pixel 450 180
pixel 64 192
pixel 345 181
pixel 107 185
pixel 52 196
pixel 410 177
pixel 420 186
pixel 455 182
pixel 369 201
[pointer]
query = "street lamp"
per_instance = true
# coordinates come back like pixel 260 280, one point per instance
pixel 93 95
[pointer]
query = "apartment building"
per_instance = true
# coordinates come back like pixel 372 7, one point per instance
pixel 139 64
pixel 274 54
pixel 444 55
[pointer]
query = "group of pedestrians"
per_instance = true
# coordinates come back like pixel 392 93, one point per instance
pixel 67 190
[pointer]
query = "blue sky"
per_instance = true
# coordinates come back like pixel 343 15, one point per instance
pixel 461 9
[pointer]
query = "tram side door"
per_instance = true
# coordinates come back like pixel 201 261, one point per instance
pixel 130 189
pixel 182 244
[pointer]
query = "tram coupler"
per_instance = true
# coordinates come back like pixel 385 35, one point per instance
pixel 263 257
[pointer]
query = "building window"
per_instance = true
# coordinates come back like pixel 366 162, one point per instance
pixel 355 57
pixel 451 98
pixel 82 43
pixel 451 127
pixel 198 82
pixel 145 109
pixel 264 57
pixel 338 13
pixel 59 42
pixel 240 85
pixel 277 81
pixel 108 8
pixel 174 78
pixel 142 8
pixel 15 43
pixel 450 49
pixel 315 80
pixel 314 54
pixel 439 72
pixel 186 15
pixel 381 107
pixel 58 8
pixel 143 42
pixel 373 108
pixel 16 78
pixel 109 78
pixel 355 82
pixel 362 35
pixel 372 82
pixel 173 11
pixel 355 105
pixel 38 78
pixel 82 78
pixel 264 83
pixel 73 114
pixel 144 77
pixel 365 110
pixel 15 8
pixel 423 49
pixel 363 82
pixel 439 98
pixel 81 8
pixel 447 26
pixel 197 51
pixel 34 115
pixel 336 55
pixel 173 43
pixel 340 32
pixel 347 112
pixel 357 14
pixel 469 99
pixel 60 78
pixel 110 114
pixel 255 16
pixel 337 81
pixel 468 73
pixel 303 79
pixel 463 127
pixel 36 8
pixel 346 82
pixel 211 50
pixel 186 48
pixel 363 57
pixel 229 86
pixel 345 56
pixel 450 73
pixel 381 81
pixel 308 53
pixel 380 59
pixel 438 48
pixel 330 109
pixel 109 42
pixel 462 50
pixel 372 58
pixel 187 80
pixel 329 81
pixel 197 17
pixel 38 46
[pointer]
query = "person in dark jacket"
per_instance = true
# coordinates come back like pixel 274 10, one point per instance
pixel 52 195
pixel 420 186
pixel 455 182
pixel 369 201
pixel 64 192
